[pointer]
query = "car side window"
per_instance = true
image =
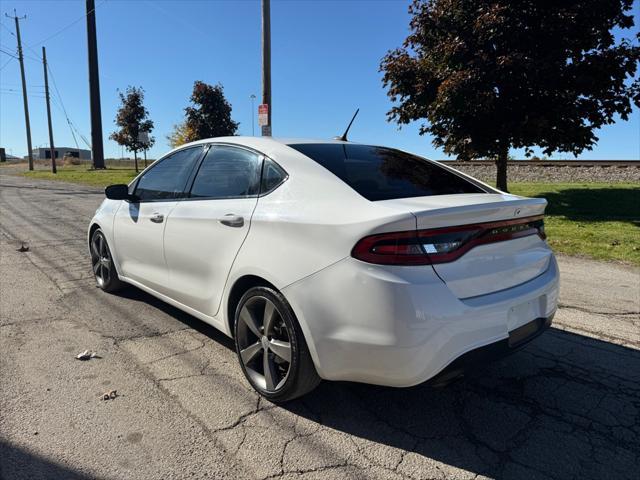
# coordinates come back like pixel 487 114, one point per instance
pixel 167 179
pixel 272 176
pixel 227 172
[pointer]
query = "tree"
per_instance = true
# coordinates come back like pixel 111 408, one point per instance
pixel 133 119
pixel 180 135
pixel 210 113
pixel 487 76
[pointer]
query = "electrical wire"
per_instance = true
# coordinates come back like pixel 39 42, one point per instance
pixel 36 55
pixel 7 53
pixel 31 95
pixel 64 110
pixel 7 28
pixel 56 104
pixel 32 57
pixel 67 26
pixel 5 64
pixel 38 92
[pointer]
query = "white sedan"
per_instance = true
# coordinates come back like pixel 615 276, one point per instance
pixel 331 260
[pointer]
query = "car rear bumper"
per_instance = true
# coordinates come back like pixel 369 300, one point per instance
pixel 517 339
pixel 401 326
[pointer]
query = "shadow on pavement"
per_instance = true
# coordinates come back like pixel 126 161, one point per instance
pixel 567 406
pixel 17 463
pixel 133 293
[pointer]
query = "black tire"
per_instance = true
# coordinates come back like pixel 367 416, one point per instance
pixel 256 350
pixel 104 270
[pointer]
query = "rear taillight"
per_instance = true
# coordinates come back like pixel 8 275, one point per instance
pixel 440 245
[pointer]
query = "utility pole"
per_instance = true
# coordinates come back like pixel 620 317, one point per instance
pixel 24 86
pixel 94 88
pixel 266 64
pixel 46 96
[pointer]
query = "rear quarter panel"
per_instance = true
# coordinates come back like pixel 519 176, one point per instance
pixel 308 223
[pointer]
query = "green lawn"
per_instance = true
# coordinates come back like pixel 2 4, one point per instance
pixel 597 220
pixel 83 175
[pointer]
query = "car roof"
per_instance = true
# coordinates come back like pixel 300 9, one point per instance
pixel 279 149
pixel 274 148
pixel 252 141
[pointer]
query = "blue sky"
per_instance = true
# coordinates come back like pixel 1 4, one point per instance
pixel 325 58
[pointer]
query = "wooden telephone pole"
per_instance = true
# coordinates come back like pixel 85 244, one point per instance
pixel 266 64
pixel 97 149
pixel 24 87
pixel 52 147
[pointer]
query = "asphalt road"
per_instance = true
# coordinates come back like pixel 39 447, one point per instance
pixel 567 406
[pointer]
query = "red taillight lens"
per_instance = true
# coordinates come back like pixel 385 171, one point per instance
pixel 399 248
pixel 440 245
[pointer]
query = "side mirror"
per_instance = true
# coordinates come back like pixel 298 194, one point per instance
pixel 118 192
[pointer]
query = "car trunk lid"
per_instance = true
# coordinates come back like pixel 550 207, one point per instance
pixel 499 244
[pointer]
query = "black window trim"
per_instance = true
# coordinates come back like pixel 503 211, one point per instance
pixel 204 149
pixel 262 158
pixel 285 177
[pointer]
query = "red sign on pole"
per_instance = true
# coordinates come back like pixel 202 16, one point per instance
pixel 263 114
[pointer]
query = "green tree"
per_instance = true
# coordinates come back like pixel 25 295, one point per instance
pixel 133 119
pixel 210 113
pixel 487 76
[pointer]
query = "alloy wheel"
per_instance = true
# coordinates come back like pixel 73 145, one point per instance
pixel 264 343
pixel 100 259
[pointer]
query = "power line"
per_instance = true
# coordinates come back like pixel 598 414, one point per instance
pixel 7 53
pixel 13 85
pixel 16 90
pixel 5 64
pixel 32 95
pixel 7 29
pixel 56 103
pixel 67 26
pixel 35 57
pixel 26 55
pixel 64 110
pixel 31 57
pixel 13 57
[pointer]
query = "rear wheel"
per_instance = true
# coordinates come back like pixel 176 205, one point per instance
pixel 271 349
pixel 102 264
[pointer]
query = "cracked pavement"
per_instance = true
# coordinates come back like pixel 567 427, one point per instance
pixel 567 406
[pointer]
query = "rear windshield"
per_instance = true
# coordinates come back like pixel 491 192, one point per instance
pixel 379 173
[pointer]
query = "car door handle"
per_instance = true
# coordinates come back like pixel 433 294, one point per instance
pixel 157 218
pixel 232 220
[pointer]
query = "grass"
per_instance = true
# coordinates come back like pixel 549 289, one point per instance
pixel 83 175
pixel 597 220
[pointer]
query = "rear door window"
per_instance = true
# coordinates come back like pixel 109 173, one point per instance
pixel 380 173
pixel 228 172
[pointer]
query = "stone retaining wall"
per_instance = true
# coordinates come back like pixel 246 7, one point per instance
pixel 560 174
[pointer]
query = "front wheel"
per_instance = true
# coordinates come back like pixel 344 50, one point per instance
pixel 102 264
pixel 271 349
